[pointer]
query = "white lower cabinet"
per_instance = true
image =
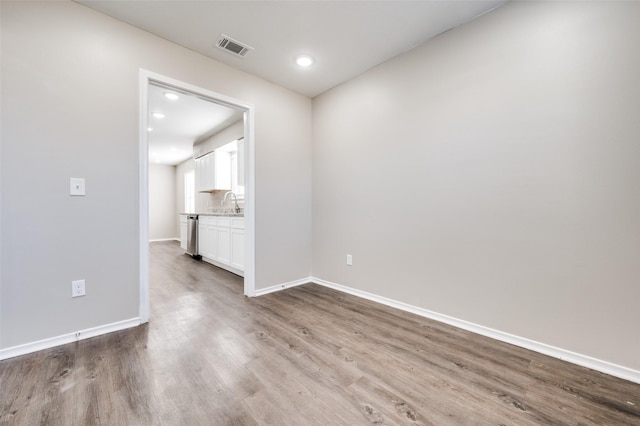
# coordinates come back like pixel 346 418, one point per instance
pixel 223 237
pixel 237 242
pixel 206 248
pixel 183 231
pixel 237 248
pixel 221 242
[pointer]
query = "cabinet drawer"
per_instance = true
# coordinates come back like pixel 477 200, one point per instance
pixel 224 222
pixel 207 220
pixel 237 222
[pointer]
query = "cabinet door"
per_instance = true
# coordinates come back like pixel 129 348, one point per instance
pixel 205 173
pixel 198 174
pixel 237 248
pixel 205 181
pixel 224 245
pixel 203 248
pixel 183 234
pixel 211 176
pixel 212 241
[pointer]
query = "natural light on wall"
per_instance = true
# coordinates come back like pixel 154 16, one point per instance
pixel 189 192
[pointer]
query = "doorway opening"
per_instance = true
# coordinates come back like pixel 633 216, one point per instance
pixel 236 110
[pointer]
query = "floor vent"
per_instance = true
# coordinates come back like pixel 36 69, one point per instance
pixel 233 46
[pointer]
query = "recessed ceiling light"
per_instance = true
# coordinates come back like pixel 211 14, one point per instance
pixel 149 129
pixel 171 96
pixel 304 60
pixel 157 114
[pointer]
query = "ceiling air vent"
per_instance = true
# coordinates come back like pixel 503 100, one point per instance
pixel 233 46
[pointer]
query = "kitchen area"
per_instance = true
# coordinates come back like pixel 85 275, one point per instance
pixel 214 230
pixel 197 177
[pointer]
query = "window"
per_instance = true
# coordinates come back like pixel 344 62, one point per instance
pixel 189 192
pixel 235 187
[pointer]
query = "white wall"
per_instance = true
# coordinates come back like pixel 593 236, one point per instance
pixel 70 93
pixel 162 202
pixel 492 175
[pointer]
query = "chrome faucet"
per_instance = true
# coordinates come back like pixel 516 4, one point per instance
pixel 235 199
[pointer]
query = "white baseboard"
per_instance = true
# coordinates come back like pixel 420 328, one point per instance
pixel 563 354
pixel 224 266
pixel 278 287
pixel 67 338
pixel 157 240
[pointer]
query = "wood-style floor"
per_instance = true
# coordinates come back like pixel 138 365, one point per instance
pixel 303 356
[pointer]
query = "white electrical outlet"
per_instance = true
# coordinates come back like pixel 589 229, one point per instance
pixel 76 186
pixel 349 260
pixel 77 288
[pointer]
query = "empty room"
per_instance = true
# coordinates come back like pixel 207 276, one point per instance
pixel 320 212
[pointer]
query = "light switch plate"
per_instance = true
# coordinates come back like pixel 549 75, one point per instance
pixel 76 186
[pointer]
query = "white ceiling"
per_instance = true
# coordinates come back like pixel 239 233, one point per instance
pixel 346 38
pixel 186 120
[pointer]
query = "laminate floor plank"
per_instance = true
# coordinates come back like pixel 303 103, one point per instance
pixel 401 354
pixel 307 355
pixel 454 357
pixel 311 360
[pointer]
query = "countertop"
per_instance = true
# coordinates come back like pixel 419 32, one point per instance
pixel 217 213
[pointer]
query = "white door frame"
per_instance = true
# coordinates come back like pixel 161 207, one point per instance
pixel 147 77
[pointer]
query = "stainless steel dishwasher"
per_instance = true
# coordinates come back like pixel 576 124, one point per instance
pixel 192 236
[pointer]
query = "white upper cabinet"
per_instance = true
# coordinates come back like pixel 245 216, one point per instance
pixel 213 172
